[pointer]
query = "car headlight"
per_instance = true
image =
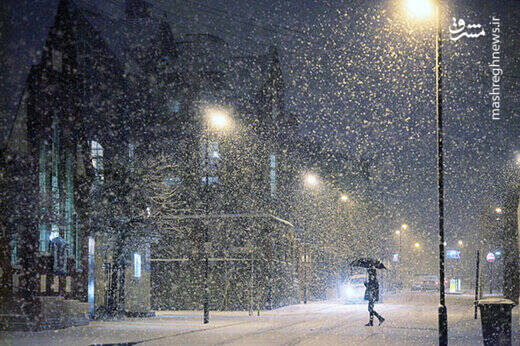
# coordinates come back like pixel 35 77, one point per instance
pixel 350 291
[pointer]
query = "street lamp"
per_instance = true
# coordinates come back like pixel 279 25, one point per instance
pixel 216 119
pixel 311 180
pixel 460 243
pixel 344 198
pixel 404 226
pixel 417 245
pixel 419 8
pixel 498 210
pixel 423 8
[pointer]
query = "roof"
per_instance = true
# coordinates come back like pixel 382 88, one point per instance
pixel 23 37
pixel 135 43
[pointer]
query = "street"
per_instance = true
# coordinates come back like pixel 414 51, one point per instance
pixel 411 319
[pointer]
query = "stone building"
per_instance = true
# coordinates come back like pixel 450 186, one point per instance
pixel 78 230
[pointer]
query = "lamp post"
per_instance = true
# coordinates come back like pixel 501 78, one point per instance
pixel 399 258
pixel 311 181
pixel 215 119
pixel 344 198
pixel 422 8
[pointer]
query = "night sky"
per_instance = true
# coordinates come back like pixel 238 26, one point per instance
pixel 360 75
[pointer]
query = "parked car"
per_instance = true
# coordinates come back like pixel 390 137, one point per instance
pixel 425 283
pixel 353 290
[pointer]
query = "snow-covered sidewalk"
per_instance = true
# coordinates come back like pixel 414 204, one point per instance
pixel 411 319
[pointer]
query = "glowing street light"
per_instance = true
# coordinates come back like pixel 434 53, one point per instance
pixel 344 198
pixel 498 210
pixel 404 226
pixel 311 180
pixel 460 243
pixel 217 118
pixel 517 158
pixel 419 8
pixel 398 232
pixel 417 245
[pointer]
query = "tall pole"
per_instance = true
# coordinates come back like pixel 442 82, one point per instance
pixel 305 274
pixel 490 277
pixel 476 282
pixel 399 263
pixel 205 227
pixel 443 314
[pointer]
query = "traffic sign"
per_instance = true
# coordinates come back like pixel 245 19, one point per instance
pixel 490 257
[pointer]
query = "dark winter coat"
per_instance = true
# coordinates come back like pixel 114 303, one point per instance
pixel 372 291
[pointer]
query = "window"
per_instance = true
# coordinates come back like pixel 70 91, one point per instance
pixel 56 173
pixel 275 111
pixel 174 106
pixel 137 265
pixel 69 204
pixel 57 60
pixel 172 181
pixel 14 252
pixel 272 174
pixel 43 228
pixel 210 163
pixel 131 156
pixel 96 153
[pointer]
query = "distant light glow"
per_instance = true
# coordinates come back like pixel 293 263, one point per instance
pixel 454 254
pixel 398 232
pixel 498 210
pixel 344 198
pixel 517 158
pixel 419 8
pixel 404 226
pixel 218 118
pixel 417 245
pixel 311 180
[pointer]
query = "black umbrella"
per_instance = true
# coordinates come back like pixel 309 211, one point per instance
pixel 368 263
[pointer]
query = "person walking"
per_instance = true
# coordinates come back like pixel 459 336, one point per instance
pixel 372 295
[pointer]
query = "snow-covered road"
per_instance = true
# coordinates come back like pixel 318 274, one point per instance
pixel 411 319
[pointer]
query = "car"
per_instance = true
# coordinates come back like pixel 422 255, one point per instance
pixel 353 291
pixel 425 283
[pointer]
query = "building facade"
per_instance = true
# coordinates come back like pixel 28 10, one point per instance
pixel 113 183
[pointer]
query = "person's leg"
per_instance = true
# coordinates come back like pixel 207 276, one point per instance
pixel 371 313
pixel 379 317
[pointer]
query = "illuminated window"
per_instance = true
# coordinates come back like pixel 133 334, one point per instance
pixel 210 162
pixel 272 174
pixel 137 265
pixel 96 153
pixel 174 106
pixel 14 252
pixel 43 227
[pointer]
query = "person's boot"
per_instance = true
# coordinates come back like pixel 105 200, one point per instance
pixel 381 320
pixel 370 322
